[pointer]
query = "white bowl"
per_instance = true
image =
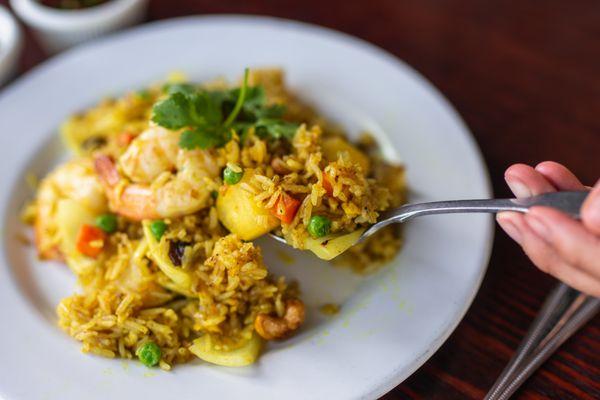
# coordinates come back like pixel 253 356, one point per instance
pixel 11 44
pixel 59 29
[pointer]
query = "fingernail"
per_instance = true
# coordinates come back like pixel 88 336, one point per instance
pixel 510 228
pixel 538 226
pixel 518 188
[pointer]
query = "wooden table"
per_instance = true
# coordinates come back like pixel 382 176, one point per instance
pixel 526 78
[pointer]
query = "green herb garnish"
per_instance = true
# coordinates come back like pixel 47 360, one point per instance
pixel 209 117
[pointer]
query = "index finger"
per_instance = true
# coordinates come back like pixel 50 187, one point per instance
pixel 525 181
pixel 559 176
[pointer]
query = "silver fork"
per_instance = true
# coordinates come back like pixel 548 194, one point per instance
pixel 564 311
pixel 568 202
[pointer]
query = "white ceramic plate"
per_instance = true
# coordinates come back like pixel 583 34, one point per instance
pixel 390 323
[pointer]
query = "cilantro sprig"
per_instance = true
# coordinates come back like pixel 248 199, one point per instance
pixel 202 114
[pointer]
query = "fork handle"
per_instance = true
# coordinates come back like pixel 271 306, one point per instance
pixel 563 313
pixel 568 202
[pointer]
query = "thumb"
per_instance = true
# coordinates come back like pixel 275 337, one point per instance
pixel 590 212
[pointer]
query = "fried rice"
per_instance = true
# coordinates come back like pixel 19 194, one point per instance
pixel 197 289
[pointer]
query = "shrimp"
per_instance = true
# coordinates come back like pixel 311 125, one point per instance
pixel 153 152
pixel 271 328
pixel 161 180
pixel 74 180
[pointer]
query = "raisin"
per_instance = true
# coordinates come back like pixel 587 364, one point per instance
pixel 176 251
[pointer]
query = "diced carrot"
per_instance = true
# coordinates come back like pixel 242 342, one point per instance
pixel 124 139
pixel 285 208
pixel 327 185
pixel 90 240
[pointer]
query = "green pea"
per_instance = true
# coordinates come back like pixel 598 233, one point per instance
pixel 158 228
pixel 214 194
pixel 231 177
pixel 149 354
pixel 319 226
pixel 107 222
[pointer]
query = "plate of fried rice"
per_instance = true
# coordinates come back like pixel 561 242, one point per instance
pixel 145 175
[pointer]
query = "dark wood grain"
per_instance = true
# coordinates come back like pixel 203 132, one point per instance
pixel 525 77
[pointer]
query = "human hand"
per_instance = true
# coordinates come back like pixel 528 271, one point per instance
pixel 558 245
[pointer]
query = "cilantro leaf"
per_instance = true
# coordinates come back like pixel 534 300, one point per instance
pixel 255 105
pixel 275 128
pixel 255 100
pixel 184 109
pixel 201 138
pixel 205 109
pixel 172 88
pixel 203 113
pixel 275 111
pixel 173 112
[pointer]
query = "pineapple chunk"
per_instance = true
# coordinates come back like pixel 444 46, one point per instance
pixel 204 348
pixel 159 251
pixel 70 216
pixel 331 246
pixel 241 214
pixel 333 146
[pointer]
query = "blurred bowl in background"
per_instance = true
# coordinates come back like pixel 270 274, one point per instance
pixel 57 29
pixel 11 44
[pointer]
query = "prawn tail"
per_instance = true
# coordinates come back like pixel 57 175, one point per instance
pixel 134 201
pixel 107 170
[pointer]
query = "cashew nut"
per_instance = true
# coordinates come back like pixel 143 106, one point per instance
pixel 270 327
